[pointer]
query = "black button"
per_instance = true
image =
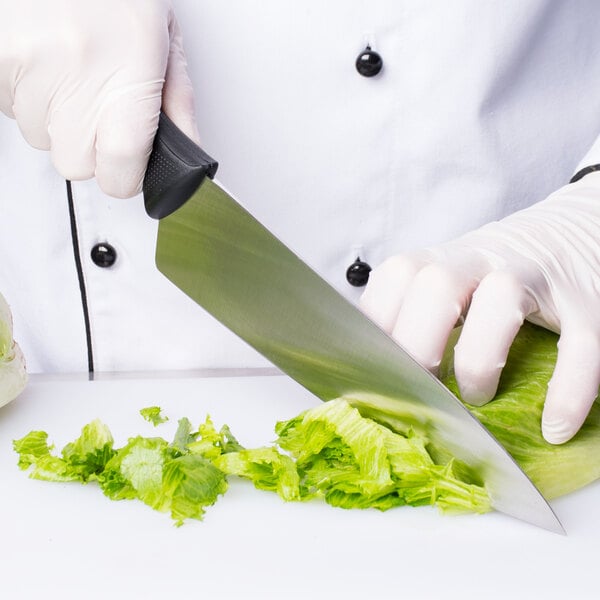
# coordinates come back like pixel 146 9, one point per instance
pixel 357 273
pixel 103 255
pixel 369 63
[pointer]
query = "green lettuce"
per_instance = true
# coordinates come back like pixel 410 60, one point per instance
pixel 333 452
pixel 183 436
pixel 80 460
pixel 355 462
pixel 135 471
pixel 267 468
pixel 13 374
pixel 212 443
pixel 350 461
pixel 90 452
pixel 153 414
pixel 31 448
pixel 177 478
pixel 190 483
pixel 514 417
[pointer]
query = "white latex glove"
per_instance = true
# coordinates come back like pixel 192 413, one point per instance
pixel 541 264
pixel 85 79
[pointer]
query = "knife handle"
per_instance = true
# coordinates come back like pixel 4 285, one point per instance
pixel 177 166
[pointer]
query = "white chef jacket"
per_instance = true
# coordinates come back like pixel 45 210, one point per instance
pixel 481 108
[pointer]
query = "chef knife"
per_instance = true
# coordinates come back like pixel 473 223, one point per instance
pixel 223 258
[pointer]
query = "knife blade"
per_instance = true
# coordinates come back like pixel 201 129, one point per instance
pixel 216 252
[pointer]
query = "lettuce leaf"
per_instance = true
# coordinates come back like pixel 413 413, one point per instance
pixel 89 453
pixel 31 448
pixel 81 459
pixel 211 443
pixel 267 468
pixel 135 471
pixel 183 436
pixel 153 414
pixel 189 484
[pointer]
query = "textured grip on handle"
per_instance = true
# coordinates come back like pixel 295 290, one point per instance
pixel 177 166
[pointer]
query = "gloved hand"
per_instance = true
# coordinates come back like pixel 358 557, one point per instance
pixel 86 80
pixel 541 264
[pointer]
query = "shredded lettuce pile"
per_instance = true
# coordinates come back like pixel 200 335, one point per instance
pixel 331 452
pixel 354 462
pixel 177 478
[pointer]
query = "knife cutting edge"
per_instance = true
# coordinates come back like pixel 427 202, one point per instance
pixel 223 258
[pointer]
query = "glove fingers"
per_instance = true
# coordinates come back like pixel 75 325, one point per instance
pixel 574 384
pixel 384 294
pixel 30 109
pixel 124 138
pixel 178 93
pixel 72 143
pixel 436 299
pixel 498 309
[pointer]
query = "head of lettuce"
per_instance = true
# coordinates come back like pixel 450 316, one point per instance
pixel 13 375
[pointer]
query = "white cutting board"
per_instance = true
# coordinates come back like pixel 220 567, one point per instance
pixel 69 541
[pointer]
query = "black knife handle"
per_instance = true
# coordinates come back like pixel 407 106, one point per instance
pixel 175 169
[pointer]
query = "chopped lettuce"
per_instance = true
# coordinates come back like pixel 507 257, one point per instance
pixel 90 452
pixel 31 448
pixel 164 478
pixel 335 435
pixel 183 435
pixel 169 478
pixel 333 452
pixel 354 462
pixel 135 471
pixel 211 443
pixel 330 452
pixel 267 468
pixel 190 483
pixel 153 414
pixel 80 460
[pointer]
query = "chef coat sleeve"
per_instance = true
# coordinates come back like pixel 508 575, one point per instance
pixel 590 162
